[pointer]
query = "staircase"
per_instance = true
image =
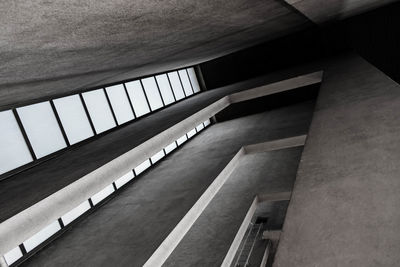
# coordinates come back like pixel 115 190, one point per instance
pixel 253 234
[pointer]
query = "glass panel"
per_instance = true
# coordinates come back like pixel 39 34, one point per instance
pixel 157 156
pixel 181 140
pixel 75 213
pixel 102 194
pixel 152 93
pixel 99 110
pixel 124 179
pixel 41 236
pixel 170 148
pixel 176 85
pixel 73 118
pixel 13 255
pixel 186 83
pixel 120 103
pixel 42 128
pixel 142 167
pixel 165 89
pixel 193 79
pixel 14 152
pixel 207 122
pixel 200 127
pixel 137 98
pixel 191 133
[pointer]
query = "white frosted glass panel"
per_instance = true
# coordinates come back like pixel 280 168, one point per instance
pixel 191 133
pixel 13 150
pixel 157 156
pixel 193 79
pixel 176 85
pixel 165 89
pixel 75 213
pixel 42 128
pixel 206 123
pixel 200 127
pixel 13 255
pixel 120 103
pixel 73 118
pixel 124 179
pixel 137 98
pixel 152 93
pixel 142 167
pixel 102 194
pixel 181 140
pixel 41 236
pixel 99 110
pixel 170 147
pixel 186 83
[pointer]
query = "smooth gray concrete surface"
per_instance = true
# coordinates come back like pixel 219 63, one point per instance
pixel 51 48
pixel 344 207
pixel 128 229
pixel 210 238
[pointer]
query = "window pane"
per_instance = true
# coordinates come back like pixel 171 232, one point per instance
pixel 41 236
pixel 42 128
pixel 14 152
pixel 157 156
pixel 170 147
pixel 102 194
pixel 75 213
pixel 191 133
pixel 142 167
pixel 152 93
pixel 165 89
pixel 13 255
pixel 200 127
pixel 99 110
pixel 176 85
pixel 124 179
pixel 137 98
pixel 193 79
pixel 186 83
pixel 73 118
pixel 207 122
pixel 181 140
pixel 120 103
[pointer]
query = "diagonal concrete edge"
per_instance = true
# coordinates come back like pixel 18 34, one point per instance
pixel 28 222
pixel 169 244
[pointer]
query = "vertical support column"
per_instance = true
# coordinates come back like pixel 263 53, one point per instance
pixel 200 78
pixel 3 262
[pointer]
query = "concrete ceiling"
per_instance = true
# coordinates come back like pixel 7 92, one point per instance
pixel 52 48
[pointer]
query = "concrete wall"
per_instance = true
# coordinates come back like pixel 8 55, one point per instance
pixel 344 209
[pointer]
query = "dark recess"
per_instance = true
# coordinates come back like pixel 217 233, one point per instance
pixel 374 35
pixel 269 102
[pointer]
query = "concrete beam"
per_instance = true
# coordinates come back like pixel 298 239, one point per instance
pixel 173 239
pixel 23 225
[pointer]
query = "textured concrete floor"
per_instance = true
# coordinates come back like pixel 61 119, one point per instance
pixel 50 48
pixel 127 230
pixel 344 209
pixel 209 239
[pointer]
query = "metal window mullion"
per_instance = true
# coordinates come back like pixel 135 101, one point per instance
pixel 183 89
pixel 145 95
pixel 129 100
pixel 59 122
pixel 159 91
pixel 87 114
pixel 22 129
pixel 170 85
pixel 111 108
pixel 191 85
